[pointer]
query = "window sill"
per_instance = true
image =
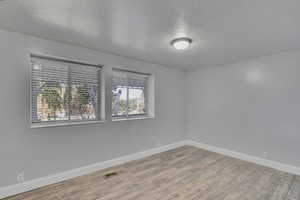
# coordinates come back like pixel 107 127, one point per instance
pixel 45 125
pixel 132 118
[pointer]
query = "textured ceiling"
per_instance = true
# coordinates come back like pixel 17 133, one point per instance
pixel 223 31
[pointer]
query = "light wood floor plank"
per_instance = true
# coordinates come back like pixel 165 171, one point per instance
pixel 294 193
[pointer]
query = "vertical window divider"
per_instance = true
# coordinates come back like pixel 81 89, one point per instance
pixel 107 79
pixel 127 100
pixel 99 100
pixel 146 90
pixel 69 93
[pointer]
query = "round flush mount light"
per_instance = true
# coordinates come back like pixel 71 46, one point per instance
pixel 181 43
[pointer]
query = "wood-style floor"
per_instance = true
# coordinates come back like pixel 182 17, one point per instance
pixel 185 173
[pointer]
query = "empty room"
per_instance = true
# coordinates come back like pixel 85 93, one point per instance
pixel 149 100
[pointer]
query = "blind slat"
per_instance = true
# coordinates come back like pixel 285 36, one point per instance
pixel 130 79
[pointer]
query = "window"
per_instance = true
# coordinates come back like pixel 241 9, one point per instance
pixel 129 94
pixel 64 91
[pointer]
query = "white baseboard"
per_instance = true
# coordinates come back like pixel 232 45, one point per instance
pixel 40 182
pixel 246 157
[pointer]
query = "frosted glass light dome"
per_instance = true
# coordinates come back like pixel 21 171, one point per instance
pixel 181 43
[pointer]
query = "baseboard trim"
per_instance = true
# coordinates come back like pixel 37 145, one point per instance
pixel 40 182
pixel 260 161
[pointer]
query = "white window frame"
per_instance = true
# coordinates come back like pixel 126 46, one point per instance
pixel 100 118
pixel 149 102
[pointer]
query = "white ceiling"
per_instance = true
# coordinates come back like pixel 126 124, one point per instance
pixel 223 31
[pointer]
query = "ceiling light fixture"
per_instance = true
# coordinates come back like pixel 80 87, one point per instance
pixel 181 43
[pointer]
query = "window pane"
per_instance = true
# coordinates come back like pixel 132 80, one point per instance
pixel 128 93
pixel 119 101
pixel 83 102
pixel 49 83
pixel 49 101
pixel 136 104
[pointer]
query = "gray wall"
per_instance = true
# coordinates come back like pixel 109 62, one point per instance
pixel 46 151
pixel 250 107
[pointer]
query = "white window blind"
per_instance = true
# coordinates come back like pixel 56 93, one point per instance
pixel 129 91
pixel 64 91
